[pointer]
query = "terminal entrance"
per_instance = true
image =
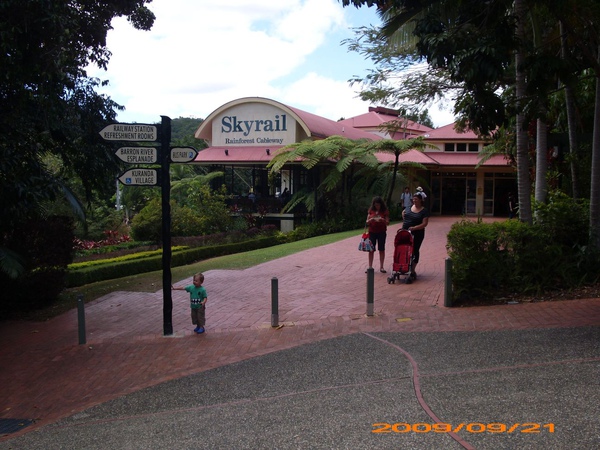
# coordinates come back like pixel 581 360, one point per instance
pixel 455 193
pixel 453 196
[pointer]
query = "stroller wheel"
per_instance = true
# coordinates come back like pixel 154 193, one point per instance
pixel 390 280
pixel 408 280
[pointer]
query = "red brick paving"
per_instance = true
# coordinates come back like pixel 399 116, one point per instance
pixel 45 374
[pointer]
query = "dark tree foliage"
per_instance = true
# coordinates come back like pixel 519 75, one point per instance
pixel 50 111
pixel 471 42
pixel 381 4
pixel 182 132
pixel 48 104
pixel 45 246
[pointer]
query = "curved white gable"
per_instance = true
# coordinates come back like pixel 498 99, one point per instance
pixel 252 121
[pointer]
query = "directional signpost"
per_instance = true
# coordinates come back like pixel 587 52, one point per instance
pixel 137 132
pixel 141 176
pixel 138 155
pixel 165 189
pixel 183 154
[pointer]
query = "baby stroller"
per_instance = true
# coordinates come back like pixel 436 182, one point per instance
pixel 403 257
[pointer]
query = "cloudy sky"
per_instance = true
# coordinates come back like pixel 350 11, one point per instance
pixel 202 54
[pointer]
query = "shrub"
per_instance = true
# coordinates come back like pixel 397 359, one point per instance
pixel 99 220
pixel 328 226
pixel 47 247
pixel 121 267
pixel 207 215
pixel 184 221
pixel 212 209
pixel 95 249
pixel 138 255
pixel 511 256
pixel 478 261
pixel 565 219
pixel 147 224
pixel 112 238
pixel 224 237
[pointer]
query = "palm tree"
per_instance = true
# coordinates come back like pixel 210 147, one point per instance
pixel 571 120
pixel 523 184
pixel 336 154
pixel 396 148
pixel 595 188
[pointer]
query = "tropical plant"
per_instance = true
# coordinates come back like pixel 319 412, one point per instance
pixel 336 157
pixel 396 148
pixel 186 182
pixel 504 58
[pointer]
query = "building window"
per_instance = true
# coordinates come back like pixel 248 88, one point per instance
pixel 303 178
pixel 461 147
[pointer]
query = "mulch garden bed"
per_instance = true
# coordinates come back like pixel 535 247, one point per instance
pixel 582 292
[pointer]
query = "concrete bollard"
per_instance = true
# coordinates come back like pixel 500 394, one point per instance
pixel 274 302
pixel 448 283
pixel 370 290
pixel 81 319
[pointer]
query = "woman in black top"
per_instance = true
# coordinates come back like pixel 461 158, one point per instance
pixel 415 219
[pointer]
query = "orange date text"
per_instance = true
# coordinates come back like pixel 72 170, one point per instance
pixel 471 427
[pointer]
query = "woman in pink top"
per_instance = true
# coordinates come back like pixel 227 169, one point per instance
pixel 378 218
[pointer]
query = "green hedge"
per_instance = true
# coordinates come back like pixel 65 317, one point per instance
pixel 123 268
pixel 492 259
pixel 118 259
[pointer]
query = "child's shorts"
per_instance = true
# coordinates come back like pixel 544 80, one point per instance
pixel 199 316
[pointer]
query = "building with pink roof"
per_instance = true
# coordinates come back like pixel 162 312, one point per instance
pixel 455 179
pixel 387 123
pixel 244 134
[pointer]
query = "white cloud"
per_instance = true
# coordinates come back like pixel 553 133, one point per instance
pixel 325 97
pixel 202 54
pixel 441 114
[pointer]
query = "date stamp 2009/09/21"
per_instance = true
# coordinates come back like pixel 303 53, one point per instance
pixel 472 427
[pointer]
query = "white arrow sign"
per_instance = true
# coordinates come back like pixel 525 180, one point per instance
pixel 138 155
pixel 130 132
pixel 139 177
pixel 183 154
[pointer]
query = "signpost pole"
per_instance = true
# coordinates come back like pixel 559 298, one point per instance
pixel 140 176
pixel 165 141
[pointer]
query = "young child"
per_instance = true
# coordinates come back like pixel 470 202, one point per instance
pixel 198 299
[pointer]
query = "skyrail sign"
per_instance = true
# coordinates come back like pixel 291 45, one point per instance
pixel 254 124
pixel 130 132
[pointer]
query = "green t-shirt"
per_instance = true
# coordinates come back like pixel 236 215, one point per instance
pixel 197 294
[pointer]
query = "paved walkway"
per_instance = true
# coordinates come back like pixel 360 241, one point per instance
pixel 45 375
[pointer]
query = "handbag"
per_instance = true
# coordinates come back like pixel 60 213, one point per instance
pixel 365 244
